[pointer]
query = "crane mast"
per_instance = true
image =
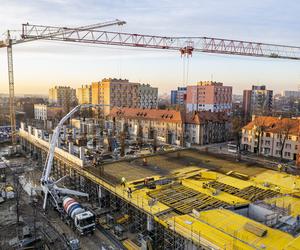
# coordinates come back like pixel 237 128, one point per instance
pixel 46 31
pixel 12 112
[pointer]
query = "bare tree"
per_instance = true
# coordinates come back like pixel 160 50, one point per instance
pixel 236 129
pixel 285 126
pixel 261 126
pixel 122 140
pixel 154 141
pixel 140 134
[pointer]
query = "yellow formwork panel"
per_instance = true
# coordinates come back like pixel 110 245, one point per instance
pixel 287 202
pixel 293 245
pixel 224 229
pixel 222 196
pixel 130 245
pixel 138 198
pixel 203 234
pixel 186 172
pixel 235 182
pixel 209 175
pixel 233 224
pixel 287 183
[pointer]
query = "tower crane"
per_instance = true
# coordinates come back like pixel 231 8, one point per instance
pixel 93 34
pixel 45 31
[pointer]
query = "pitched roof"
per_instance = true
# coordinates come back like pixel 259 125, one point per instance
pixel 199 117
pixel 148 114
pixel 275 124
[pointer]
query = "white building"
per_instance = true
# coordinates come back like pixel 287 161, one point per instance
pixel 44 112
pixel 205 127
pixel 40 112
pixel 269 135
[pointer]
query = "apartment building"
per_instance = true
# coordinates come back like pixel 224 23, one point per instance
pixel 148 96
pixel 63 96
pixel 178 97
pixel 257 101
pixel 168 125
pixel 206 127
pixel 209 96
pixel 122 93
pixel 44 112
pixel 272 136
pixel 84 94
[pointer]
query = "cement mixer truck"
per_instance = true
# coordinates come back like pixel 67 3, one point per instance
pixel 77 217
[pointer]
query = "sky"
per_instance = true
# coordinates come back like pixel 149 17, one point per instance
pixel 39 65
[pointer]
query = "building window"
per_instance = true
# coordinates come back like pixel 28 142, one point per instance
pixel 288 146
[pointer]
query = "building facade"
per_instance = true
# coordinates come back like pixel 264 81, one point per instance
pixel 122 93
pixel 63 96
pixel 44 112
pixel 40 112
pixel 291 94
pixel 148 96
pixel 166 125
pixel 272 136
pixel 84 94
pixel 206 127
pixel 178 97
pixel 257 101
pixel 209 96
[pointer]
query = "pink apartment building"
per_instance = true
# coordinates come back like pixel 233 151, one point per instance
pixel 209 96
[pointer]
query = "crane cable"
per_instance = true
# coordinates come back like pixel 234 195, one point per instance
pixel 185 69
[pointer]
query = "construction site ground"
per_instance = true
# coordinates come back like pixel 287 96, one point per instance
pixel 31 216
pixel 176 203
pixel 165 164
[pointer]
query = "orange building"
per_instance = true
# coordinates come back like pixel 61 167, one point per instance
pixel 116 93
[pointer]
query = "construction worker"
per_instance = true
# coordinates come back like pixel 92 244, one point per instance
pixel 146 181
pixel 144 162
pixel 123 182
pixel 129 192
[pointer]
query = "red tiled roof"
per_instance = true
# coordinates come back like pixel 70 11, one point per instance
pixel 275 124
pixel 200 117
pixel 148 114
